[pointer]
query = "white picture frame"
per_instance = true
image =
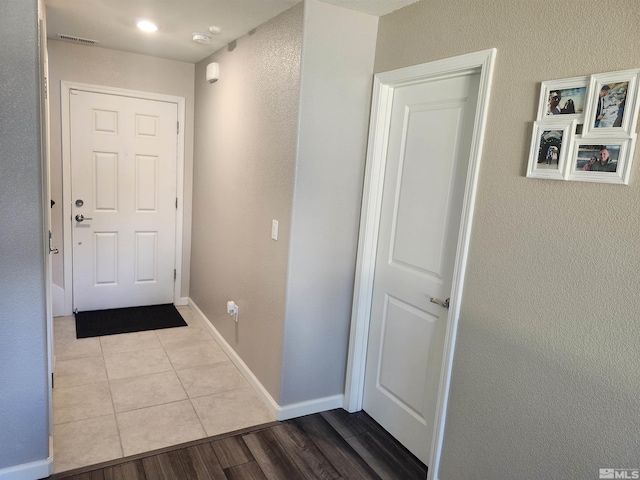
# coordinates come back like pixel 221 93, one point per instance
pixel 604 117
pixel 551 144
pixel 619 151
pixel 573 101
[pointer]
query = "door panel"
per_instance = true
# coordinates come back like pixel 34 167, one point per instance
pixel 106 258
pixel 146 183
pixel 426 164
pixel 123 181
pixel 425 183
pixel 105 181
pixel 406 338
pixel 146 256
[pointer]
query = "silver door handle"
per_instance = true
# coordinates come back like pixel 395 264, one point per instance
pixel 444 304
pixel 81 218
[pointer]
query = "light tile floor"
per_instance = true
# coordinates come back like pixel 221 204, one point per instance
pixel 120 395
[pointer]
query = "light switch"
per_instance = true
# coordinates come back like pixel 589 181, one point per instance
pixel 274 229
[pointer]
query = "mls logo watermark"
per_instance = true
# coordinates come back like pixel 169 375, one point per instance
pixel 624 473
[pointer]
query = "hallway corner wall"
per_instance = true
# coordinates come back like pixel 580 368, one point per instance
pixel 335 98
pixel 244 167
pixel 24 392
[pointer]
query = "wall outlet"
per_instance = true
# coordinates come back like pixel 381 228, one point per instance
pixel 232 309
pixel 274 229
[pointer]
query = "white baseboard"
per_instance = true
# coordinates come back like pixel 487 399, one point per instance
pixel 57 299
pixel 237 361
pixel 308 407
pixel 285 412
pixel 32 470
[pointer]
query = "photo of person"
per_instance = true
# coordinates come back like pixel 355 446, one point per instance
pixel 549 149
pixel 587 166
pixel 597 158
pixel 621 103
pixel 566 101
pixel 609 109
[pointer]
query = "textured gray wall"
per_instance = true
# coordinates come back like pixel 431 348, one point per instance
pixel 337 66
pixel 111 68
pixel 24 423
pixel 267 124
pixel 547 372
pixel 244 162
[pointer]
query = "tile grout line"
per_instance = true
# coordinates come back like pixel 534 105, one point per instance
pixel 115 415
pixel 181 383
pixel 195 324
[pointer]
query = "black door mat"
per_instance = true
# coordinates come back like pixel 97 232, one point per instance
pixel 98 323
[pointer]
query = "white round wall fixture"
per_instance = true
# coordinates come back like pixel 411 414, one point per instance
pixel 215 30
pixel 213 72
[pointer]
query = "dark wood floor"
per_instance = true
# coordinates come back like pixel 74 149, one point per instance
pixel 330 445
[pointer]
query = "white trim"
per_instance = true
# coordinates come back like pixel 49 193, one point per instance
pixel 384 86
pixel 183 301
pixel 237 361
pixel 280 413
pixel 309 407
pixel 65 87
pixel 29 471
pixel 58 299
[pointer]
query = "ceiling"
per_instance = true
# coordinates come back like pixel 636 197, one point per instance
pixel 112 23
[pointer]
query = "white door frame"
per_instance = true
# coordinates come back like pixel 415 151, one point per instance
pixel 384 86
pixel 66 87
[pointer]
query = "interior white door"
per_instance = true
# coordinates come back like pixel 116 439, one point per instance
pixel 123 183
pixel 427 158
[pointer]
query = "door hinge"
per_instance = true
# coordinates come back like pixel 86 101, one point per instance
pixel 176 203
pixel 52 377
pixel 175 274
pixel 178 127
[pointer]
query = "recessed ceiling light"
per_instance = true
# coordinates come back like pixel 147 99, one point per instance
pixel 146 26
pixel 214 29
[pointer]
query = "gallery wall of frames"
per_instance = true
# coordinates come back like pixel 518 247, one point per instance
pixel 585 128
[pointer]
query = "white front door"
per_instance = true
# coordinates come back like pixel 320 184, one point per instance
pixel 123 183
pixel 427 158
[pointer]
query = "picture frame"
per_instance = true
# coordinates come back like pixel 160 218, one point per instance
pixel 612 106
pixel 573 93
pixel 551 143
pixel 617 168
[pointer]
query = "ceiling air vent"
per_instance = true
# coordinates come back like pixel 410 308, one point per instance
pixel 74 39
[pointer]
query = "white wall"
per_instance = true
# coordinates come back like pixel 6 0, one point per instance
pixel 546 372
pixel 336 80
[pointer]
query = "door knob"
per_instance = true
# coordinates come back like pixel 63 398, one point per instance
pixel 444 304
pixel 81 218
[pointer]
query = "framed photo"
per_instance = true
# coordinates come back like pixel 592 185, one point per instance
pixel 612 106
pixel 565 98
pixel 604 160
pixel 551 143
